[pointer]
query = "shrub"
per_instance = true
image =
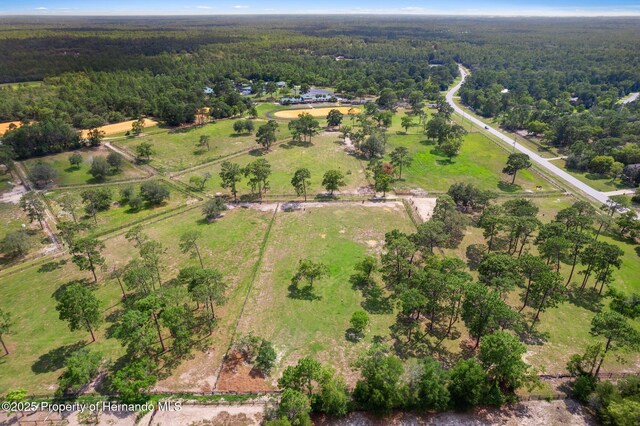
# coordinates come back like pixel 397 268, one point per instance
pixel 266 358
pixel 82 367
pixel 41 174
pixel 100 168
pixel 583 386
pixel 154 193
pixel 75 160
pixel 359 321
pixel 213 208
pixel 115 160
pixel 15 244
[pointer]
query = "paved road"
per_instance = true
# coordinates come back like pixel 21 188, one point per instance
pixel 540 161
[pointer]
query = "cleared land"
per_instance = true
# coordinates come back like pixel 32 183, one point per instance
pixel 479 162
pixel 68 175
pixel 42 341
pixel 123 126
pixel 339 236
pixel 118 215
pixel 12 217
pixel 176 149
pixel 315 112
pixel 5 126
pixel 325 152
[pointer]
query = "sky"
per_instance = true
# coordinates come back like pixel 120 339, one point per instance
pixel 250 7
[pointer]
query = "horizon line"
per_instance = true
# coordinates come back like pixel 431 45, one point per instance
pixel 370 13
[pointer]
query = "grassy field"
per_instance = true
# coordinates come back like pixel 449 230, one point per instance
pixel 117 215
pixel 68 175
pixel 480 162
pixel 176 149
pixel 325 152
pixel 5 178
pixel 598 182
pixel 42 341
pixel 12 217
pixel 339 236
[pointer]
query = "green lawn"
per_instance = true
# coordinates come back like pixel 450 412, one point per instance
pixel 117 215
pixel 41 341
pixel 68 175
pixel 598 182
pixel 480 162
pixel 339 236
pixel 175 149
pixel 325 152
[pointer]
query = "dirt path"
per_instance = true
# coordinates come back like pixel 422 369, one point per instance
pixel 14 195
pixel 147 168
pixel 566 412
pixel 50 217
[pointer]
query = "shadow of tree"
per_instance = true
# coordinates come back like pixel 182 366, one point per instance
pixel 508 187
pixel 55 358
pixel 51 266
pixel 351 335
pixel 588 299
pixel 533 337
pixel 302 293
pixel 375 301
pixel 257 152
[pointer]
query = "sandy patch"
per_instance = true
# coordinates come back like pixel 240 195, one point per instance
pixel 315 112
pixel 123 126
pixel 423 206
pixel 14 195
pixel 5 126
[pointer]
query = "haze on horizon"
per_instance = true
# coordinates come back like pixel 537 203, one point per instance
pixel 558 8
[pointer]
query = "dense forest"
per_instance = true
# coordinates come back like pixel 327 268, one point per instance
pixel 559 79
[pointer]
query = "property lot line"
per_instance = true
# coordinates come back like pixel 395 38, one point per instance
pixel 254 274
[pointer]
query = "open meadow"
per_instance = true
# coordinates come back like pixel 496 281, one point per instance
pixel 325 152
pixel 119 214
pixel 70 175
pixel 43 341
pixel 176 149
pixel 479 162
pixel 315 322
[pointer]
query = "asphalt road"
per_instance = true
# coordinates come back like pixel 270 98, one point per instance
pixel 540 161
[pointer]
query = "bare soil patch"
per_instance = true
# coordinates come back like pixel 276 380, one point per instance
pixel 239 376
pixel 424 206
pixel 315 112
pixel 123 126
pixel 5 126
